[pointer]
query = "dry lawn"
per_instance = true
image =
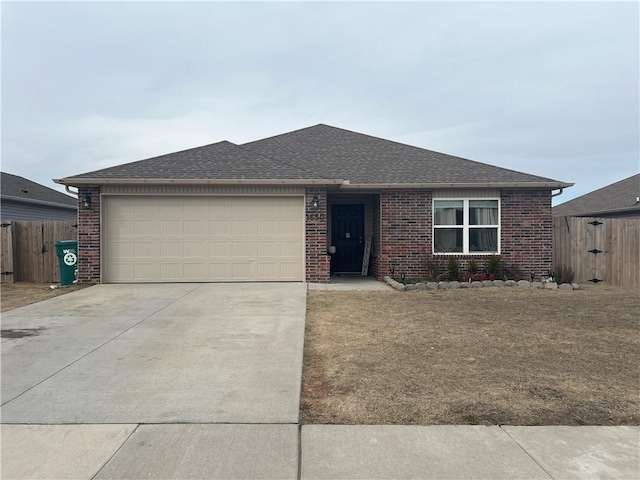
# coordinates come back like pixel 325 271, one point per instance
pixel 489 356
pixel 14 295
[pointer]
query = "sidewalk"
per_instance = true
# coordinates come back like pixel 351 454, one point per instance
pixel 286 451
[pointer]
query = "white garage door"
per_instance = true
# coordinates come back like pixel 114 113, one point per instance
pixel 200 239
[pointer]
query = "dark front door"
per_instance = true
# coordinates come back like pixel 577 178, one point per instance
pixel 347 235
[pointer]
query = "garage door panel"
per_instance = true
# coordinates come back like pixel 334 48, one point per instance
pixel 220 271
pixel 147 207
pixel 220 227
pixel 290 227
pixel 171 249
pixel 146 249
pixel 146 272
pixel 171 227
pixel 146 227
pixel 244 227
pixel 173 239
pixel 220 249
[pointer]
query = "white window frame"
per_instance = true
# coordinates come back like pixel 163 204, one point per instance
pixel 465 227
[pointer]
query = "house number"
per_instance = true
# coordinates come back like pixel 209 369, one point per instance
pixel 315 216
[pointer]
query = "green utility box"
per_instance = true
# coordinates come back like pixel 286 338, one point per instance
pixel 67 252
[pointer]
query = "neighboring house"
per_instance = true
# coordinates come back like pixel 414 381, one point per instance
pixel 270 210
pixel 22 199
pixel 618 200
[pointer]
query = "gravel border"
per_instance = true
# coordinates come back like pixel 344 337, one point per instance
pixel 484 284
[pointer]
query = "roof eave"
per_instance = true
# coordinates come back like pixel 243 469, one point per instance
pixel 435 186
pixel 78 182
pixel 34 201
pixel 598 213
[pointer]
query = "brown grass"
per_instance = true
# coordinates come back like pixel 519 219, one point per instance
pixel 490 356
pixel 14 295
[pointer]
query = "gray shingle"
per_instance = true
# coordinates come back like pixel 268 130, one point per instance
pixel 20 187
pixel 222 160
pixel 365 159
pixel 619 197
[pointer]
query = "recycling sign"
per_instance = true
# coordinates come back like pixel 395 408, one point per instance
pixel 70 259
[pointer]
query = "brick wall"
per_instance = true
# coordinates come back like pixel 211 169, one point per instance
pixel 89 236
pixel 527 230
pixel 317 259
pixel 406 234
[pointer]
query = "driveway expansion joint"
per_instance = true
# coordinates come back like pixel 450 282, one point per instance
pixel 526 452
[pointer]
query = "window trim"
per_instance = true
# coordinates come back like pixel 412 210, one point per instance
pixel 465 227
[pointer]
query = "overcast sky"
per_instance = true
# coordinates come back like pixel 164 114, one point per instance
pixel 547 88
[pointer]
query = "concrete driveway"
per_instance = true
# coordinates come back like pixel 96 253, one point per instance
pixel 178 353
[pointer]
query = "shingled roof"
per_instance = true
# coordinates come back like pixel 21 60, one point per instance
pixel 320 153
pixel 618 198
pixel 218 161
pixel 16 188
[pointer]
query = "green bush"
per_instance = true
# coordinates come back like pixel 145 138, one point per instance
pixel 494 265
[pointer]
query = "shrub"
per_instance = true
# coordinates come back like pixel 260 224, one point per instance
pixel 563 274
pixel 473 267
pixel 454 269
pixel 494 265
pixel 436 270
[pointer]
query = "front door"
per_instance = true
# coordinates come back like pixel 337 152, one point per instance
pixel 347 235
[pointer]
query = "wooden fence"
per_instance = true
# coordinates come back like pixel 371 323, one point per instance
pixel 605 249
pixel 29 252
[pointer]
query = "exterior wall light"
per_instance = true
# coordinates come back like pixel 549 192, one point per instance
pixel 315 202
pixel 86 201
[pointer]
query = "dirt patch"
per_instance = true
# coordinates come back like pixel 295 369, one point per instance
pixel 14 295
pixel 515 356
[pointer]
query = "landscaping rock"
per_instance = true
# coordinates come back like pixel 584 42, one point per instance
pixel 465 285
pixel 565 286
pixel 551 286
pixel 432 286
pixel 476 285
pixel 443 285
pixel 575 286
pixel 421 286
pixel 454 284
pixel 487 283
pixel 510 283
pixel 411 286
pixel 498 283
pixel 391 282
pixel 524 283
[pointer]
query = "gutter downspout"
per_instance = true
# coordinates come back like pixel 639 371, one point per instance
pixel 66 187
pixel 557 194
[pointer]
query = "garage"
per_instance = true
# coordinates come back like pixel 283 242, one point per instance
pixel 148 238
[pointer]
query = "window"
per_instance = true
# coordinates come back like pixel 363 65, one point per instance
pixel 466 226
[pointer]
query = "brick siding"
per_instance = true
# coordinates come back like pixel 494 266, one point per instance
pixel 317 259
pixel 405 233
pixel 407 243
pixel 527 230
pixel 89 236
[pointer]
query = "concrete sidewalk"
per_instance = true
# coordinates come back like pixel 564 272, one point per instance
pixel 223 451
